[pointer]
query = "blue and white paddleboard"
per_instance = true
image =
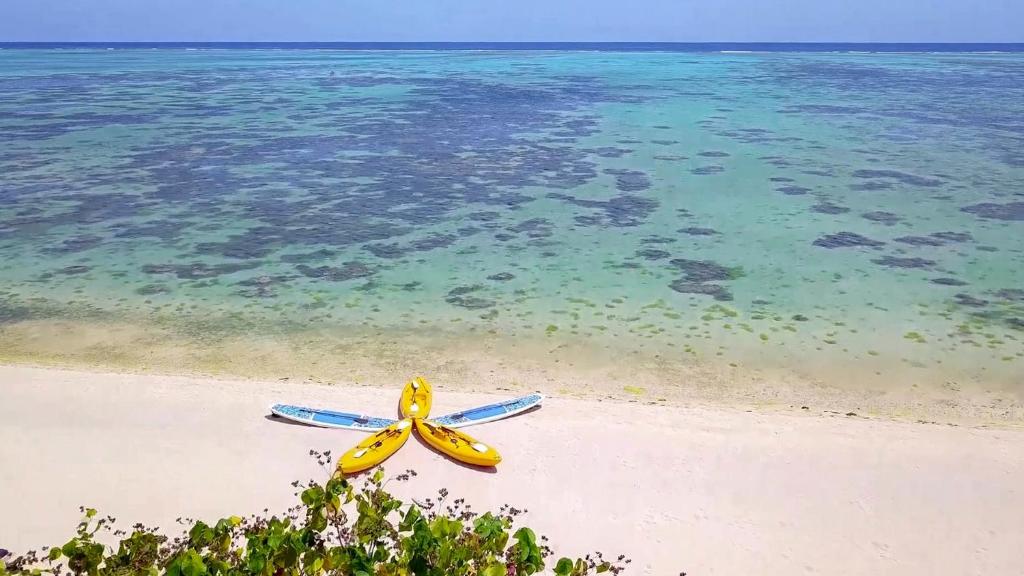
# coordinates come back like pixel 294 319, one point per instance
pixel 489 413
pixel 329 419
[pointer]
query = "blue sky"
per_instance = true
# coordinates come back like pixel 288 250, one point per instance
pixel 514 20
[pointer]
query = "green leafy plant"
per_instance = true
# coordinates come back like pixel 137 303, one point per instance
pixel 337 529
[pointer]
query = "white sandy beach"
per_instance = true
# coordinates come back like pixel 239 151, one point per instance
pixel 695 489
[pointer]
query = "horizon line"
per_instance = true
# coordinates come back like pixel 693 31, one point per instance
pixel 692 42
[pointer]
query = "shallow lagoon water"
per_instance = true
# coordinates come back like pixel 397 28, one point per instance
pixel 849 218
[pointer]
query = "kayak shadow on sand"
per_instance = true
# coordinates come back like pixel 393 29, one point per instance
pixel 484 469
pixel 279 420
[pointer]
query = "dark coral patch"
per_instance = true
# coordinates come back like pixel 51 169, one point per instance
pixel 433 241
pixel 871 186
pixel 901 177
pixel 197 270
pixel 159 268
pixel 652 254
pixel 620 211
pixel 658 240
pixel 629 180
pixel 829 208
pixel 461 296
pixel 968 300
pixel 705 270
pixel 152 289
pixel 882 217
pixel 846 240
pixel 719 292
pixel 919 241
pixel 713 154
pixel 74 270
pixel 395 250
pixel 993 211
pixel 485 216
pixel 699 275
pixel 898 262
pixel 1010 294
pixel 534 228
pixel 697 231
pixel 347 271
pixel 307 256
pixel 708 170
pixel 954 236
pixel 262 286
pixel 793 190
pixel 390 250
pixel 948 281
pixel 610 152
pixel 501 276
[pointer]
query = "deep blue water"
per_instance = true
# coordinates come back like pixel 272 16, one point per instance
pixel 553 46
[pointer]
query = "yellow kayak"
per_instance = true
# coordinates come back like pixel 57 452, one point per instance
pixel 376 448
pixel 456 444
pixel 417 397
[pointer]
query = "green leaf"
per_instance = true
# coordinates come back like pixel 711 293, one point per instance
pixel 275 539
pixel 70 548
pixel 313 496
pixel 495 570
pixel 412 516
pixel 188 563
pixel 336 486
pixel 525 536
pixel 564 567
pixel 54 553
pixel 200 534
pixel 445 528
pixel 528 556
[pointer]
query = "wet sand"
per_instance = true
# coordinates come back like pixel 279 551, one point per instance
pixel 702 489
pixel 566 366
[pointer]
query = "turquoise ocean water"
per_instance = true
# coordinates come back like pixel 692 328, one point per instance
pixel 824 213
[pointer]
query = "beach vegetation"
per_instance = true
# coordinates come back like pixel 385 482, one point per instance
pixel 335 529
